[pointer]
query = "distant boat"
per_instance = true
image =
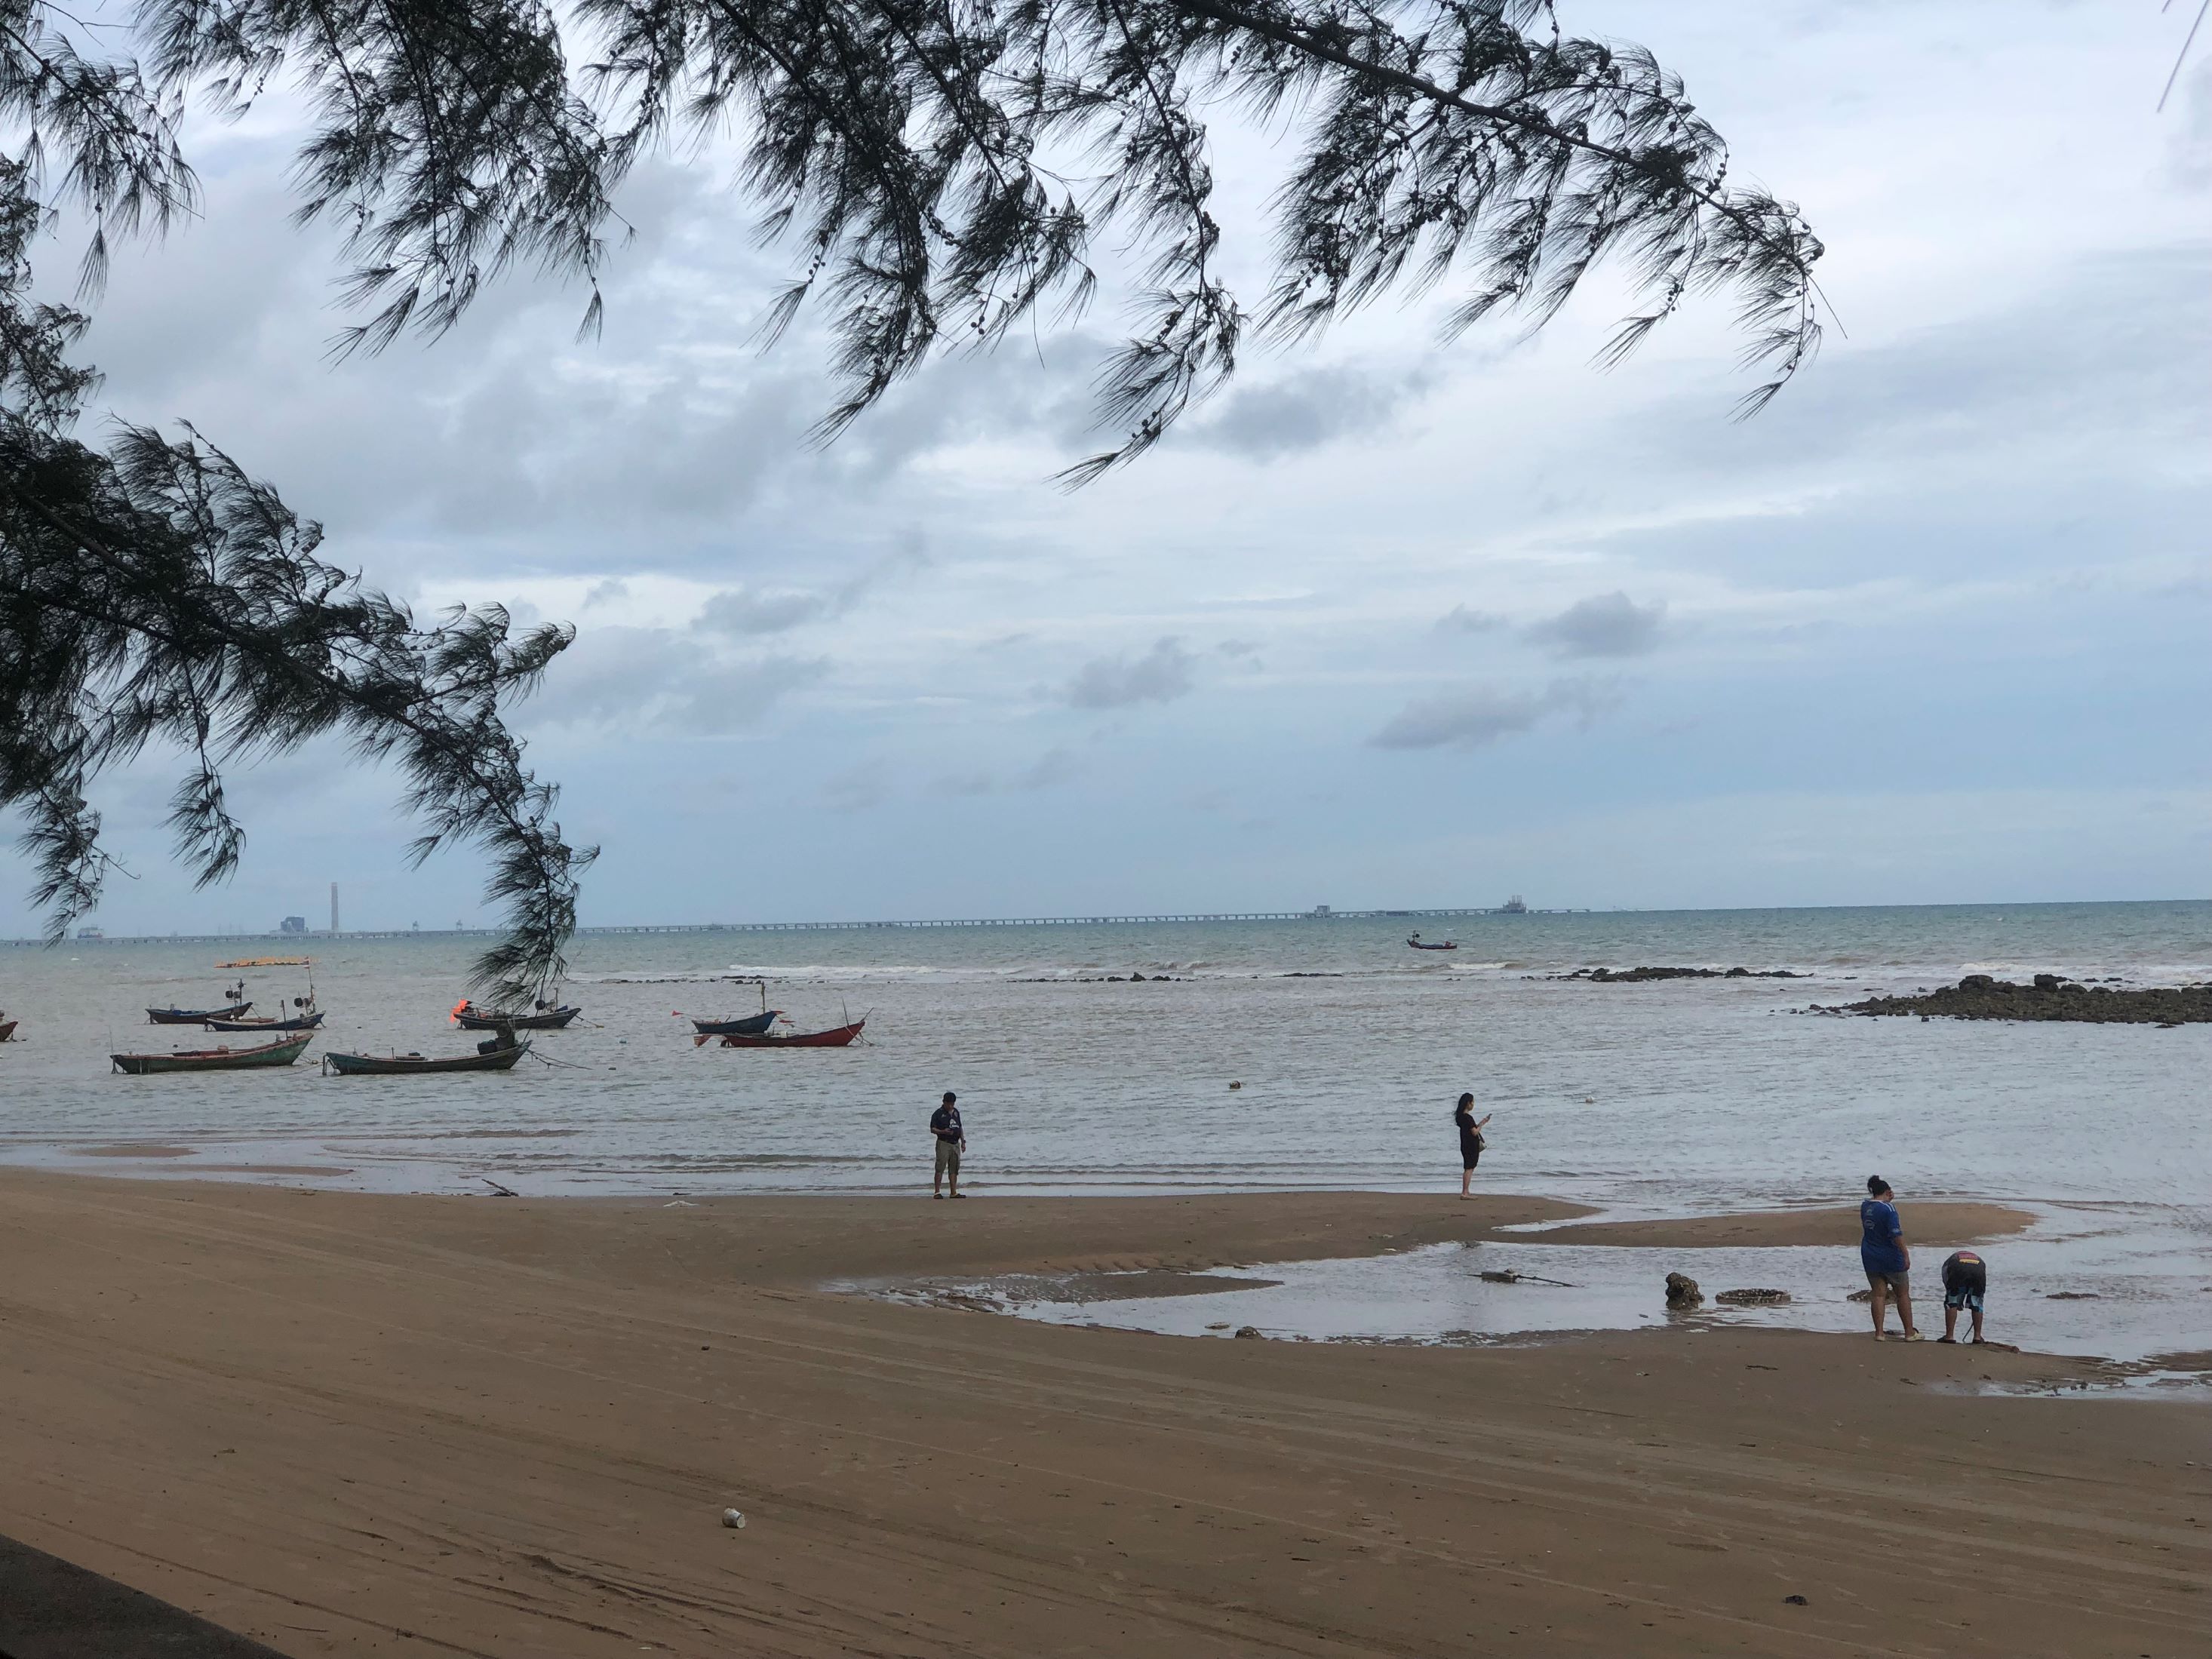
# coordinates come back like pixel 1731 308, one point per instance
pixel 1415 941
pixel 837 1037
pixel 469 1017
pixel 751 1025
pixel 499 1055
pixel 1513 907
pixel 282 1052
pixel 6 1031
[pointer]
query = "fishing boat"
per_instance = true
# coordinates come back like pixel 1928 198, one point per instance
pixel 282 1052
pixel 6 1031
pixel 194 1016
pixel 469 1017
pixel 499 1055
pixel 1415 941
pixel 835 1037
pixel 751 1025
pixel 304 1022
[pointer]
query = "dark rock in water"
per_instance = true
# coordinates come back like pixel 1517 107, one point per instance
pixel 1136 979
pixel 1500 1276
pixel 1978 996
pixel 2073 1296
pixel 1682 1291
pixel 1860 1296
pixel 1753 1298
pixel 1247 1333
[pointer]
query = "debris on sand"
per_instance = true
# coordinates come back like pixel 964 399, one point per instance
pixel 1682 1291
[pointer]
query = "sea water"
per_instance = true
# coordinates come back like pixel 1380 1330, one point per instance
pixel 1349 1049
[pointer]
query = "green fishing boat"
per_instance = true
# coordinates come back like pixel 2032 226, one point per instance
pixel 281 1053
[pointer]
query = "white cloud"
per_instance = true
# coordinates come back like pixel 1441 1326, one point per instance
pixel 1480 716
pixel 1160 675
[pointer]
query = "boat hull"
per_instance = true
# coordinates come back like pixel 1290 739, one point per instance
pixel 6 1031
pixel 213 1059
pixel 751 1025
pixel 553 1020
pixel 194 1016
pixel 837 1037
pixel 297 1022
pixel 500 1059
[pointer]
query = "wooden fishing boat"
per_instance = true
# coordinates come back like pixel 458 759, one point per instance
pixel 6 1031
pixel 469 1017
pixel 497 1055
pixel 1416 943
pixel 282 1052
pixel 194 1016
pixel 835 1037
pixel 305 1022
pixel 751 1025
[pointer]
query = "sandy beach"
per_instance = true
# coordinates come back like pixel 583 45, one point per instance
pixel 353 1425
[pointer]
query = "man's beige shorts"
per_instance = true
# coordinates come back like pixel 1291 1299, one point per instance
pixel 948 1160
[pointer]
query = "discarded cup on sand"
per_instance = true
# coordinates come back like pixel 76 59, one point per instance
pixel 734 1517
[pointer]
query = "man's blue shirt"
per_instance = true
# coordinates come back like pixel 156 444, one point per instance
pixel 1882 1249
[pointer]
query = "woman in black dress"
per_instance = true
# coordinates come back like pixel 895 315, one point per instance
pixel 1470 1140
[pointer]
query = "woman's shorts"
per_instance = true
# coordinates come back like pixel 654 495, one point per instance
pixel 1898 1282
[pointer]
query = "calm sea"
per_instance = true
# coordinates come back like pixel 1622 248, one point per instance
pixel 1350 1048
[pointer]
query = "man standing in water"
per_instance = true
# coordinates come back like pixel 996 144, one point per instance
pixel 1883 1254
pixel 952 1141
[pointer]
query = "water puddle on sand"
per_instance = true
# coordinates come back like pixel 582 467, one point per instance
pixel 2082 1283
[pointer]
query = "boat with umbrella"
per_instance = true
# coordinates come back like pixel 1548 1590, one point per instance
pixel 282 1052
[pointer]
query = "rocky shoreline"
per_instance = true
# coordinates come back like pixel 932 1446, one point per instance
pixel 2047 997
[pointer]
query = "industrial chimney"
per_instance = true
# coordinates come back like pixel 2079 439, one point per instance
pixel 334 907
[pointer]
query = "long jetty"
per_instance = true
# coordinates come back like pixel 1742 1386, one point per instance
pixel 1432 913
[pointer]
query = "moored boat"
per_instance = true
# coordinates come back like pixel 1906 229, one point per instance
pixel 305 1022
pixel 835 1037
pixel 751 1025
pixel 194 1016
pixel 6 1031
pixel 282 1052
pixel 1415 941
pixel 499 1055
pixel 469 1017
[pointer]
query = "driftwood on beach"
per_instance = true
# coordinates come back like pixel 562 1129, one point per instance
pixel 1980 996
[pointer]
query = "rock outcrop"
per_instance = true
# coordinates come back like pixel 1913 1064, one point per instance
pixel 1980 996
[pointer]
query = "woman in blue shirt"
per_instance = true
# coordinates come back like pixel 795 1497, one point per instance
pixel 1883 1254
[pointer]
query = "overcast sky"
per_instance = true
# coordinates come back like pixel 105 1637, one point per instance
pixel 1391 623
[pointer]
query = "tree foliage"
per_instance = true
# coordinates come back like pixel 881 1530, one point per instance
pixel 944 171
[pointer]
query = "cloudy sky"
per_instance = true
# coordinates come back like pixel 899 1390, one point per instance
pixel 1391 623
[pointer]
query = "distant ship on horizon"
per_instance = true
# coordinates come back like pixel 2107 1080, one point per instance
pixel 1513 907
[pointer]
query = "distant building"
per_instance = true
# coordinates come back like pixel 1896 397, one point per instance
pixel 296 925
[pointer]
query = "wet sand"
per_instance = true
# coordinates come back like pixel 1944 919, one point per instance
pixel 357 1424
